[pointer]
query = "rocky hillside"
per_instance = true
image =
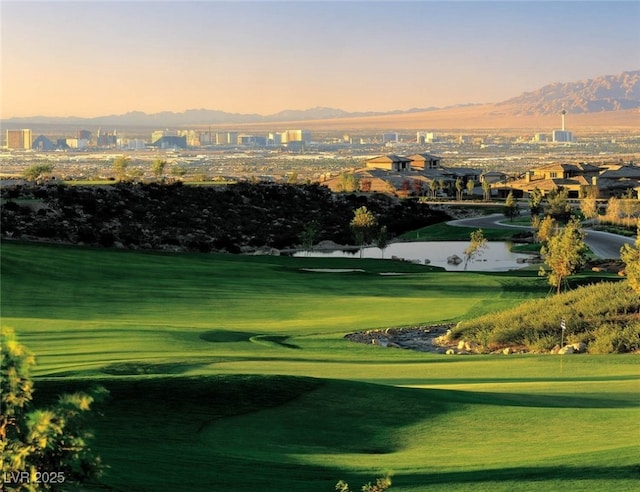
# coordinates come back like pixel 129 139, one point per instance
pixel 236 218
pixel 607 93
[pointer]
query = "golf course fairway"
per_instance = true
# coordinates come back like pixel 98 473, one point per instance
pixel 232 373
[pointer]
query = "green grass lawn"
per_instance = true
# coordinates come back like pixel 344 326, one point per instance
pixel 446 232
pixel 231 373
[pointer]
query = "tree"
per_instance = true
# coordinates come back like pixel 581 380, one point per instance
pixel 37 171
pixel 470 186
pixel 613 209
pixel 629 206
pixel 292 178
pixel 157 167
pixel 486 190
pixel 362 226
pixel 535 201
pixel 382 240
pixel 564 254
pixel 546 229
pixel 631 257
pixel 52 439
pixel 510 206
pixel 433 187
pixel 459 187
pixel 348 182
pixel 310 235
pixel 120 165
pixel 558 205
pixel 589 207
pixel 382 484
pixel 477 244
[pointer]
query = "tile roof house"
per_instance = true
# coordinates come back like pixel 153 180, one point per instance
pixel 576 178
pixel 402 176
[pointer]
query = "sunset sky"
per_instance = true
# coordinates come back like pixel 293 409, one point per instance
pixel 97 58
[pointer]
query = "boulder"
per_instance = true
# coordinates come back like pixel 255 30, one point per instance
pixel 507 351
pixel 454 260
pixel 568 349
pixel 450 352
pixel 470 346
pixel 579 347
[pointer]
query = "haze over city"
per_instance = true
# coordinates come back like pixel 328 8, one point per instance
pixel 97 58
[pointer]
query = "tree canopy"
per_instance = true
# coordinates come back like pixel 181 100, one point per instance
pixel 363 226
pixel 564 253
pixel 52 439
pixel 631 257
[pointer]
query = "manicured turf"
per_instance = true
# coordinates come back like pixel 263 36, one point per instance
pixel 446 232
pixel 231 373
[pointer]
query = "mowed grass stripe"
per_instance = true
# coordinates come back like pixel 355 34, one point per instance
pixel 164 302
pixel 175 348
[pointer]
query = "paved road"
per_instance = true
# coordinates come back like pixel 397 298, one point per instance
pixel 603 244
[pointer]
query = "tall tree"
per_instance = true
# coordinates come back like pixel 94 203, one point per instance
pixel 470 186
pixel 486 190
pixel 589 207
pixel 564 254
pixel 510 206
pixel 558 205
pixel 629 207
pixel 631 257
pixel 614 209
pixel 362 226
pixel 535 201
pixel 476 245
pixel 459 187
pixel 382 239
pixel 53 439
pixel 433 187
pixel 120 165
pixel 310 235
pixel 157 167
pixel 546 229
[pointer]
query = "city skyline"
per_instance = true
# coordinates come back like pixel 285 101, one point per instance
pixel 98 58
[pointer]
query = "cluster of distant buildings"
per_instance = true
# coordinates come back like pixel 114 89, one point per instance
pixel 161 139
pixel 424 174
pixel 296 139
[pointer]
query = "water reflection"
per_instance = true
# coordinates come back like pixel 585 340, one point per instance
pixel 495 258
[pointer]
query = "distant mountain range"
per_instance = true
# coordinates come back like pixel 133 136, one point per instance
pixel 606 93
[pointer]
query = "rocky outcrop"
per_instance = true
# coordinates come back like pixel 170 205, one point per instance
pixel 424 338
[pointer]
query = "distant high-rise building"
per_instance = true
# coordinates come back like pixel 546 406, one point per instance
pixel 289 136
pixel 389 137
pixel 562 135
pixel 19 139
pixel 84 135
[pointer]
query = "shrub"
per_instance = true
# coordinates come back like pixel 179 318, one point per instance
pixel 536 324
pixel 612 338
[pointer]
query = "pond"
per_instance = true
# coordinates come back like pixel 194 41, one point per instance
pixel 496 257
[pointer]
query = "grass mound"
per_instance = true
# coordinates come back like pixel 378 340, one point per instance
pixel 605 316
pixel 273 433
